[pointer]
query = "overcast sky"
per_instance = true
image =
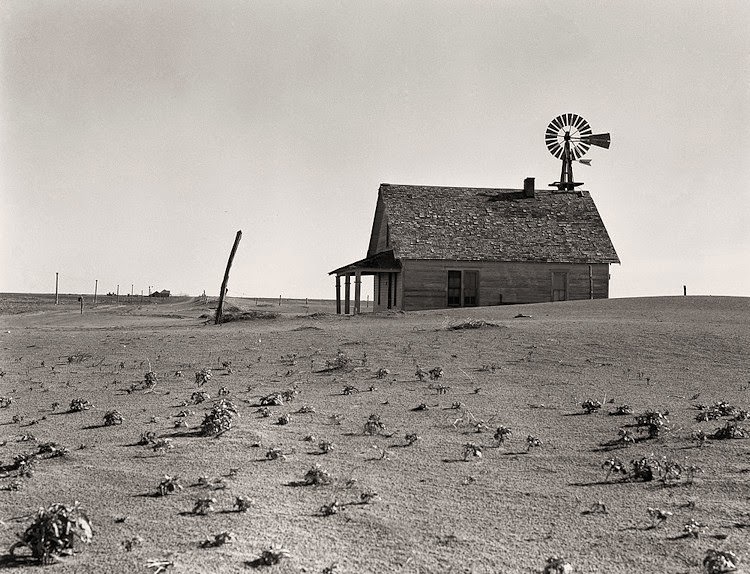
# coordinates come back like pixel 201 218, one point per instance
pixel 136 138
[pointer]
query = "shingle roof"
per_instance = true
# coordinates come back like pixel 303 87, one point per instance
pixel 472 224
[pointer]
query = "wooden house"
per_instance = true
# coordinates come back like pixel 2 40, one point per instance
pixel 438 247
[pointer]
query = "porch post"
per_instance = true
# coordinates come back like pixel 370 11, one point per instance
pixel 357 290
pixel 346 294
pixel 338 294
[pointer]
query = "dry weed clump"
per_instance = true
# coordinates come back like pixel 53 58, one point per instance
pixel 202 377
pixel 5 402
pixel 501 434
pixel 330 509
pixel 591 406
pixel 77 405
pixel 557 565
pixel 342 362
pixel 472 450
pixel 374 425
pixel 411 438
pixel 112 418
pixel 218 540
pixel 729 431
pixel 219 420
pixel 316 476
pixel 199 397
pixel 242 503
pixel 658 516
pixel 169 485
pixel 55 532
pixel 269 557
pixel 614 464
pixel 622 410
pixel 653 422
pixel 720 561
pixel 204 505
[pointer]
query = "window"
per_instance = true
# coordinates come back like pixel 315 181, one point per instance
pixel 463 288
pixel 454 288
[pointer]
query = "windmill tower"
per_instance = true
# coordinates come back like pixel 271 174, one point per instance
pixel 568 138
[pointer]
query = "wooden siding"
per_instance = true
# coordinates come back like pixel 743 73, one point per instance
pixel 379 240
pixel 424 283
pixel 382 282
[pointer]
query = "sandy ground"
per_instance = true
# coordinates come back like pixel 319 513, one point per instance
pixel 435 512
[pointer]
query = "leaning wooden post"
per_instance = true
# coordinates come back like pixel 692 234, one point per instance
pixel 220 308
pixel 96 288
pixel 57 297
pixel 118 294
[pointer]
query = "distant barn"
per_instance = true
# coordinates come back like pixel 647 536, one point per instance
pixel 164 293
pixel 437 247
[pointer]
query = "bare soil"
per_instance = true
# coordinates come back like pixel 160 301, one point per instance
pixel 435 511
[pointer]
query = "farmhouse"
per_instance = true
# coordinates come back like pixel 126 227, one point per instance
pixel 437 247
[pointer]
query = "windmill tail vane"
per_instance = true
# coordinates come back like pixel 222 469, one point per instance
pixel 568 138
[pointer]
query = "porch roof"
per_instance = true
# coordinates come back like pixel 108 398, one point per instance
pixel 378 263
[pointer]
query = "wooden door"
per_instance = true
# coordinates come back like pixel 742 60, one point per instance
pixel 559 286
pixel 471 288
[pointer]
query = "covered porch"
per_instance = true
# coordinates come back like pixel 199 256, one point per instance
pixel 384 266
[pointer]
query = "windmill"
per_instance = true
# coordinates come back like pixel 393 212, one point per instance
pixel 568 138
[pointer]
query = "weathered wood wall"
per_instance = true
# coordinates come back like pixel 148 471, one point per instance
pixel 424 284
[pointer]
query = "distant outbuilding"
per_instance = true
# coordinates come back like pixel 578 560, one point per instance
pixel 437 247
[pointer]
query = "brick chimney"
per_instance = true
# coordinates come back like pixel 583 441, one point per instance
pixel 528 187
